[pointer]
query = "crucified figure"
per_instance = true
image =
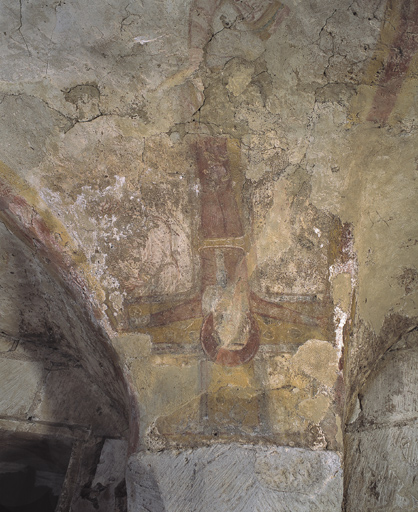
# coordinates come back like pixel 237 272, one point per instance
pixel 230 333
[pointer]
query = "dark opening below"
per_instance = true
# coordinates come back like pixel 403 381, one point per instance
pixel 32 471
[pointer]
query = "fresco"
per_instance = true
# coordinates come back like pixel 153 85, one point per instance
pixel 244 356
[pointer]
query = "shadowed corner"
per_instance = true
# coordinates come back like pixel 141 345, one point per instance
pixel 143 488
pixel 64 421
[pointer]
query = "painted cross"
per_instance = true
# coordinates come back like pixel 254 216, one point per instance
pixel 230 333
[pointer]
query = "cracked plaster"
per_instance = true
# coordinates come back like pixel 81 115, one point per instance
pixel 101 106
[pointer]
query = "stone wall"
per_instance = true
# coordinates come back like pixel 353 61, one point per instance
pixel 381 440
pixel 63 410
pixel 236 477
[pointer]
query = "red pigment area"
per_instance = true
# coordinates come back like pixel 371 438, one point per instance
pixel 403 49
pixel 220 215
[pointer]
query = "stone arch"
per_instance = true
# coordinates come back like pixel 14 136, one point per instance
pixel 381 452
pixel 67 417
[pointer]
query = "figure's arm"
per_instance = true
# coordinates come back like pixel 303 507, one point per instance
pixel 279 312
pixel 184 311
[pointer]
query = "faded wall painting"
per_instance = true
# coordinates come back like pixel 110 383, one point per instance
pixel 252 352
pixel 213 203
pixel 235 332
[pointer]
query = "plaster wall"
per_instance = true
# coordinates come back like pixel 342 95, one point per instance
pixel 229 189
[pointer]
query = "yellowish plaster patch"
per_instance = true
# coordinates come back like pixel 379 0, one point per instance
pixel 163 389
pixel 132 345
pixel 179 360
pixel 239 377
pixel 314 409
pixel 341 291
pixel 282 410
pixel 318 359
pixel 239 80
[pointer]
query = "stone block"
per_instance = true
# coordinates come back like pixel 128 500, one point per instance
pixel 235 478
pixel 20 381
